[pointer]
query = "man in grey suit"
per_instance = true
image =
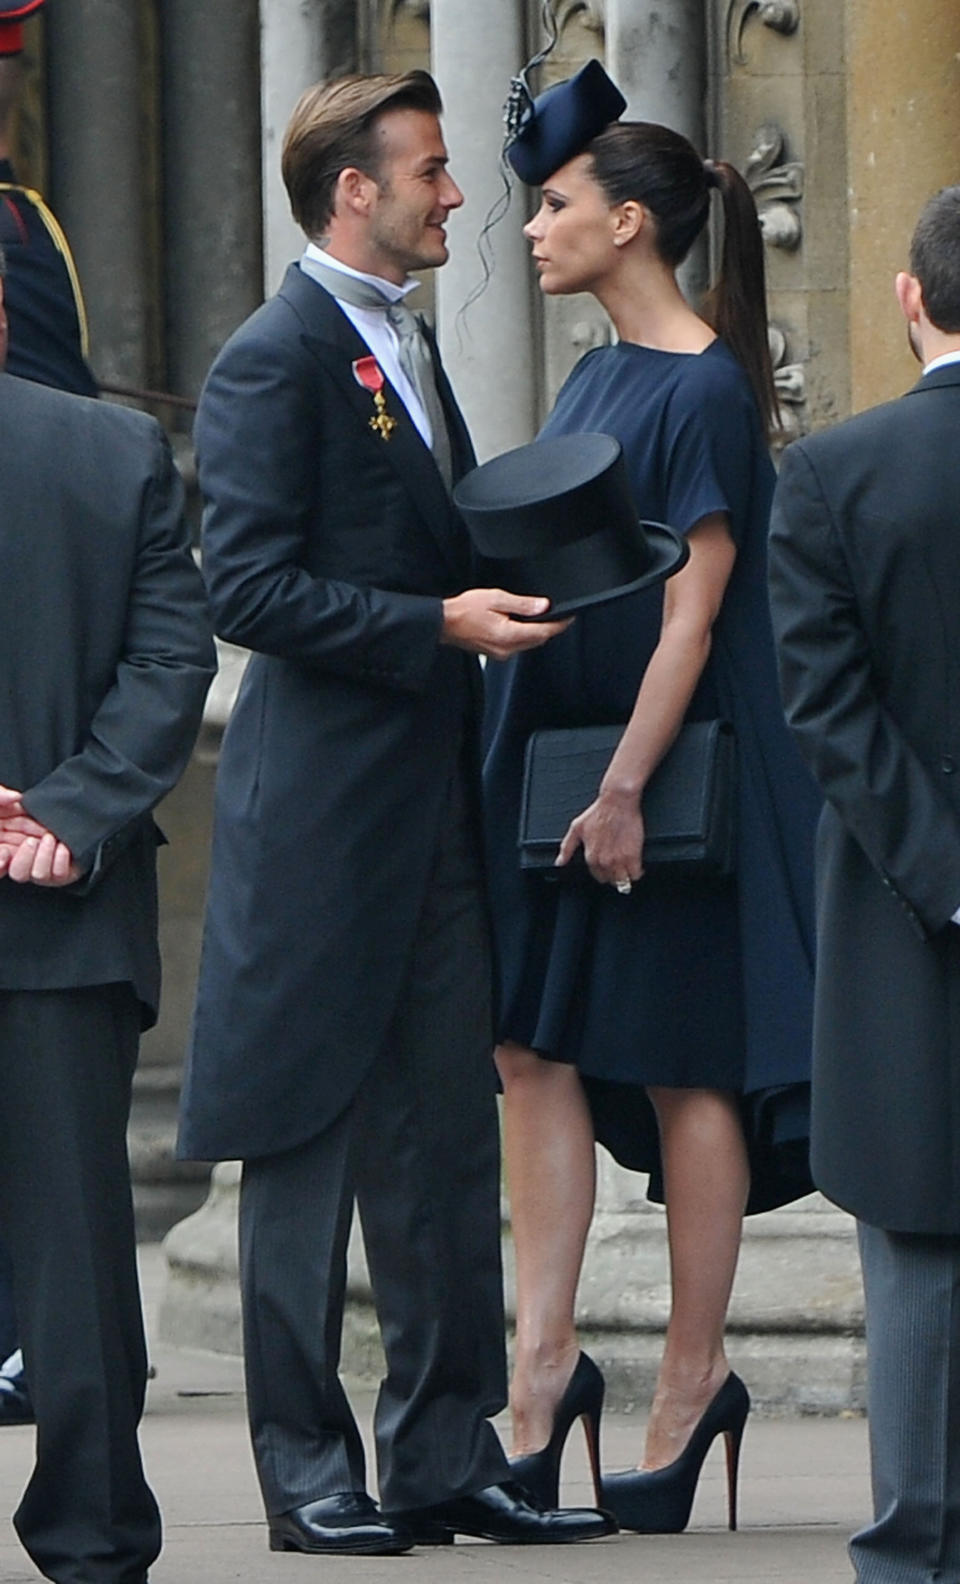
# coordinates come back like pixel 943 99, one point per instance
pixel 105 660
pixel 343 1035
pixel 865 581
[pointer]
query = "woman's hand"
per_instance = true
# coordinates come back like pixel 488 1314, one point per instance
pixel 610 832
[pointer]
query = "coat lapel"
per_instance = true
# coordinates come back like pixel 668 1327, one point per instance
pixel 336 345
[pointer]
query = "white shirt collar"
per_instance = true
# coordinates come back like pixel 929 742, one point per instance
pixel 942 361
pixel 390 289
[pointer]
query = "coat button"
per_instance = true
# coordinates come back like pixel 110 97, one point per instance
pixel 948 764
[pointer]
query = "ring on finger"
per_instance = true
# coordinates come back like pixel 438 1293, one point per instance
pixel 623 887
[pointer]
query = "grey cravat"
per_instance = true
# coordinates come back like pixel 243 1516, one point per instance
pixel 413 352
pixel 417 364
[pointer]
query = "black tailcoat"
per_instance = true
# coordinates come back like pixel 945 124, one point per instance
pixel 865 580
pixel 327 551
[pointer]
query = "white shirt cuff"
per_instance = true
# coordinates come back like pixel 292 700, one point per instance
pixel 955 917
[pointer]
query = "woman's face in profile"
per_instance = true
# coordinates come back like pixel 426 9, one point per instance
pixel 573 230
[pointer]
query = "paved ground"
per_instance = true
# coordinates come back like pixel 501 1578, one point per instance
pixel 804 1488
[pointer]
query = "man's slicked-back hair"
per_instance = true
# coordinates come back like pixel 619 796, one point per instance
pixel 333 127
pixel 935 259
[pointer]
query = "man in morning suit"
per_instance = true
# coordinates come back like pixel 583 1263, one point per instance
pixel 865 579
pixel 342 1043
pixel 105 659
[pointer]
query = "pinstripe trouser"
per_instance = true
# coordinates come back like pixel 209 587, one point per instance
pixel 418 1151
pixel 912 1287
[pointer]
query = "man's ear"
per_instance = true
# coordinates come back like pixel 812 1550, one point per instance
pixel 354 192
pixel 909 296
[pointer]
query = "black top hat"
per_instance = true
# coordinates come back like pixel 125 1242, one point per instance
pixel 557 517
pixel 13 13
pixel 559 123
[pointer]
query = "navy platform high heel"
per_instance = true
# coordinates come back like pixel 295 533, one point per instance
pixel 658 1501
pixel 539 1472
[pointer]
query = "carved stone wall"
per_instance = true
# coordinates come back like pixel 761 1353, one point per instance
pixel 902 137
pixel 846 117
pixel 777 106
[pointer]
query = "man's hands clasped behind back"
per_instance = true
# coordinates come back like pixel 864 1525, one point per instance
pixel 29 853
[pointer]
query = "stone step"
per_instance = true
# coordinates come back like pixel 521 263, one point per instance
pixel 796 1320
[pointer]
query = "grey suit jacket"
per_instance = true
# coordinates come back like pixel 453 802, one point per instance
pixel 106 655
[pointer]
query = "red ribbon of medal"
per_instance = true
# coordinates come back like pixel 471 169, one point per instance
pixel 368 373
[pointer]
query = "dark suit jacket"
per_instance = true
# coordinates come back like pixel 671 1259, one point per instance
pixel 865 580
pixel 327 551
pixel 105 659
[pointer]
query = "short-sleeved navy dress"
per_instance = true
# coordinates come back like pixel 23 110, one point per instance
pixel 683 983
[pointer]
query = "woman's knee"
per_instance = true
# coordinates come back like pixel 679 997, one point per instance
pixel 523 1069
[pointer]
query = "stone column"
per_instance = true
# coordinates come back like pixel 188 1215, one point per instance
pixel 102 172
pixel 211 146
pixel 656 54
pixel 796 1320
pixel 302 42
pixel 490 354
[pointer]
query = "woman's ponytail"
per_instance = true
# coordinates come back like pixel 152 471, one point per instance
pixel 736 306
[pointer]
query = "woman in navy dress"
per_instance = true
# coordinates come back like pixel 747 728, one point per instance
pixel 668 1018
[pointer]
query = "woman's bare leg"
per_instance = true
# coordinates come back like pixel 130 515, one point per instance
pixel 706 1182
pixel 549 1146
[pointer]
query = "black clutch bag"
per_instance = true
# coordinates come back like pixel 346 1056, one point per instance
pixel 688 803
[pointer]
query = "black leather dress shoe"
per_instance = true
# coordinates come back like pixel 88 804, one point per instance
pixel 345 1524
pixel 507 1514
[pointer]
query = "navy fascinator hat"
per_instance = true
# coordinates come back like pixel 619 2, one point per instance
pixel 560 122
